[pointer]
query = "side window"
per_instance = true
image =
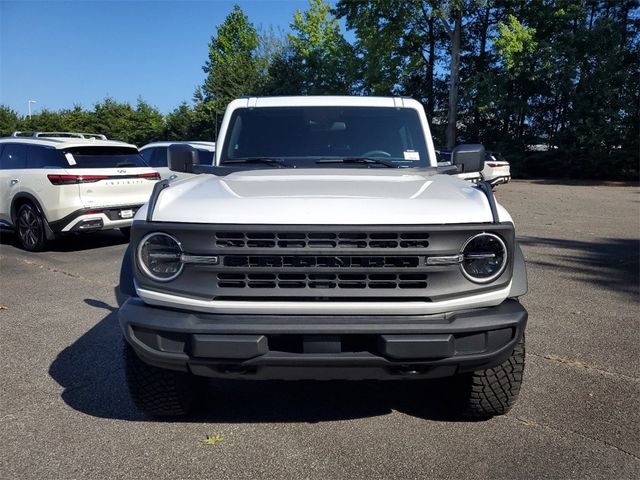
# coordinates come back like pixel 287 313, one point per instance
pixel 160 158
pixel 43 157
pixel 14 156
pixel 147 154
pixel 205 157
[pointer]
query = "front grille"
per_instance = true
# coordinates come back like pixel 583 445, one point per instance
pixel 321 240
pixel 322 280
pixel 321 261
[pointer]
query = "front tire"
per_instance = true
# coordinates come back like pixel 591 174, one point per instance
pixel 486 393
pixel 30 228
pixel 158 392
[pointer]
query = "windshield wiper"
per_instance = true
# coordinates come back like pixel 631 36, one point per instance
pixel 370 160
pixel 275 162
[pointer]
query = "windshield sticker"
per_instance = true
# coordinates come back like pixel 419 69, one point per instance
pixel 411 155
pixel 70 159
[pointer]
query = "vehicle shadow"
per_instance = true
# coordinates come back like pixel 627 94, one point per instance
pixel 73 242
pixel 91 371
pixel 613 263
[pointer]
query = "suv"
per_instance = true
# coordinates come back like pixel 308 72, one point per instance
pixel 155 154
pixel 55 183
pixel 324 243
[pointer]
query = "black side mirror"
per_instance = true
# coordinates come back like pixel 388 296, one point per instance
pixel 468 158
pixel 182 158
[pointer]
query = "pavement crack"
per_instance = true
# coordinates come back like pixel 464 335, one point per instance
pixel 41 266
pixel 579 364
pixel 532 423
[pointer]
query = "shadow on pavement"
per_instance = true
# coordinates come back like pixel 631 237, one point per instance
pixel 74 242
pixel 613 263
pixel 583 183
pixel 92 374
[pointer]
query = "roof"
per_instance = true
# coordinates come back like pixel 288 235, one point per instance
pixel 326 100
pixel 65 142
pixel 211 146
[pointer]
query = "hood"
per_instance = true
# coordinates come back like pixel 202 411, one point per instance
pixel 323 197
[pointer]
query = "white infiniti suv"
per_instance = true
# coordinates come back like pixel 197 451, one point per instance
pixel 52 183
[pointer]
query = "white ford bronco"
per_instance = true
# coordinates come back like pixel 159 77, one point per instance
pixel 323 243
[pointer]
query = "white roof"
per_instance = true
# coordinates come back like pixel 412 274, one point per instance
pixel 65 142
pixel 211 146
pixel 326 101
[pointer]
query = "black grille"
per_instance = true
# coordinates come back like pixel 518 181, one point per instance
pixel 321 261
pixel 322 280
pixel 321 240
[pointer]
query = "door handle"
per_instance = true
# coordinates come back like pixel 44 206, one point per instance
pixel 13 182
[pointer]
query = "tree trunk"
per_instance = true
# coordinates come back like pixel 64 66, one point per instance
pixel 481 71
pixel 430 65
pixel 452 117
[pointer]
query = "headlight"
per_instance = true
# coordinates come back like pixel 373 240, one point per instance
pixel 484 258
pixel 159 256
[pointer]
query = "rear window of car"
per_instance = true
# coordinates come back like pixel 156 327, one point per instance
pixel 103 157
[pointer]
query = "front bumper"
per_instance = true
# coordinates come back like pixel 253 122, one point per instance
pixel 322 347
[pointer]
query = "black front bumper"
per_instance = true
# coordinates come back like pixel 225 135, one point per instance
pixel 323 347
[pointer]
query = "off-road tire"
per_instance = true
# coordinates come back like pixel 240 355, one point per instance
pixel 487 393
pixel 158 392
pixel 30 228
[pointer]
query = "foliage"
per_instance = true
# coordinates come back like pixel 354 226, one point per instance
pixel 558 74
pixel 233 68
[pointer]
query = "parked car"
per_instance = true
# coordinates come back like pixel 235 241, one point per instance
pixel 53 183
pixel 325 243
pixel 496 169
pixel 155 154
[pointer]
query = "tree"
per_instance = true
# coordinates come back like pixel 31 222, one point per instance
pixel 9 120
pixel 233 68
pixel 320 52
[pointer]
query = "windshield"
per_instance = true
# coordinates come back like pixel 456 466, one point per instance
pixel 326 136
pixel 103 157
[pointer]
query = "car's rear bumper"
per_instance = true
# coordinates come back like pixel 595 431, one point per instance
pixel 95 218
pixel 500 179
pixel 323 347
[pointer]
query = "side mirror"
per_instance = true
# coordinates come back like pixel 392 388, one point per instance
pixel 182 158
pixel 468 158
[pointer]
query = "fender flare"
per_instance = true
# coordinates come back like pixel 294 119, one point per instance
pixel 126 285
pixel 519 281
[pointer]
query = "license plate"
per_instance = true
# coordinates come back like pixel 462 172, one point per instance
pixel 126 213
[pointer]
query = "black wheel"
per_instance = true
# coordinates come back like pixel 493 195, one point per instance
pixel 158 392
pixel 126 231
pixel 486 393
pixel 30 228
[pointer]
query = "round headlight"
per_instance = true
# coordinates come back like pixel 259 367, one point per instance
pixel 159 256
pixel 484 258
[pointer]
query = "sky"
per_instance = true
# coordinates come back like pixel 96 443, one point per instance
pixel 61 53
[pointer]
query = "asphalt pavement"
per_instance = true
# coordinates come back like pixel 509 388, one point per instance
pixel 65 411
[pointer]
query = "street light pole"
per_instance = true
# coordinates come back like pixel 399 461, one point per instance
pixel 29 106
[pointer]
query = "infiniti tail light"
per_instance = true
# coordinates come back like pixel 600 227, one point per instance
pixel 73 179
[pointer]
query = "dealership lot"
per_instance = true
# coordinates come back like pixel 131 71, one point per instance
pixel 65 411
